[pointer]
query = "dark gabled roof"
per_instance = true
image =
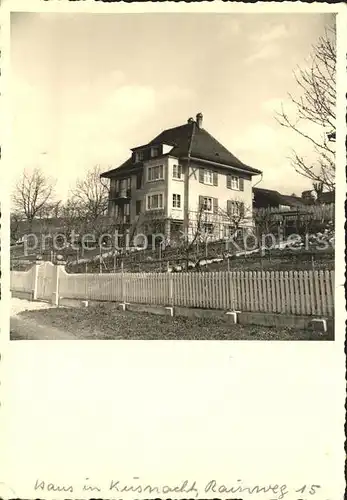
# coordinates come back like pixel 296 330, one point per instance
pixel 128 165
pixel 190 139
pixel 327 197
pixel 206 147
pixel 276 198
pixel 178 137
pixel 293 201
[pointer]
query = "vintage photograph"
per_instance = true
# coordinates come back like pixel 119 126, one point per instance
pixel 173 176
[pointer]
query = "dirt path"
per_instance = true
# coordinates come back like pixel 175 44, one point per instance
pixel 20 305
pixel 26 329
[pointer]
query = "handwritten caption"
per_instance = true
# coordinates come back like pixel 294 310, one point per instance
pixel 118 489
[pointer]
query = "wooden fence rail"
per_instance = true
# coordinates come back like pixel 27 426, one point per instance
pixel 290 292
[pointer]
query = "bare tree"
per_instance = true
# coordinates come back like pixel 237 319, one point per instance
pixel 235 216
pixel 33 193
pixel 234 219
pixel 266 220
pixel 73 217
pixel 92 194
pixel 154 223
pixel 316 106
pixel 14 227
pixel 49 210
pixel 195 237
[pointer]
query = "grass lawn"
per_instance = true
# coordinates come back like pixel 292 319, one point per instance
pixel 105 323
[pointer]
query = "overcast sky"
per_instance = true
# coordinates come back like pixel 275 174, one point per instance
pixel 88 87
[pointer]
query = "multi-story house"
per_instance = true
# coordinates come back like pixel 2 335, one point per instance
pixel 182 179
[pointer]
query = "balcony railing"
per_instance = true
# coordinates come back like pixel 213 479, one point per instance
pixel 121 194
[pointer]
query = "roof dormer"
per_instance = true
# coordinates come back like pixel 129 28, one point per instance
pixel 144 153
pixel 139 155
pixel 166 149
pixel 156 151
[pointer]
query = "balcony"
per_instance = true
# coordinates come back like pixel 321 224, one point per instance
pixel 121 194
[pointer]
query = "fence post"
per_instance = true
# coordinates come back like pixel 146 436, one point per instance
pixel 122 281
pixel 55 295
pixel 171 301
pixel 35 279
pixel 231 290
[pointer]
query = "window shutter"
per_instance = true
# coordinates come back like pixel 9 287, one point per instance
pixel 229 207
pixel 241 184
pixel 201 202
pixel 242 208
pixel 215 178
pixel 201 175
pixel 215 205
pixel 228 181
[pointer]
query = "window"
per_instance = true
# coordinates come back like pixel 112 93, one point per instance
pixel 155 152
pixel 127 209
pixel 154 201
pixel 177 171
pixel 113 188
pixel 128 183
pixel 138 207
pixel 207 204
pixel 208 228
pixel 156 173
pixel 235 208
pixel 233 182
pixel 139 156
pixel 139 181
pixel 208 177
pixel 176 201
pixel 229 231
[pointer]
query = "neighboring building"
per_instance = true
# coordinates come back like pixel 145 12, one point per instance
pixel 327 198
pixel 291 213
pixel 310 196
pixel 268 198
pixel 178 177
pixel 324 198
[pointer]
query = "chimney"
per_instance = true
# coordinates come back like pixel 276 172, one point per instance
pixel 199 118
pixel 190 120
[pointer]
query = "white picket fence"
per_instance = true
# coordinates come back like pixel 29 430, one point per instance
pixel 290 292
